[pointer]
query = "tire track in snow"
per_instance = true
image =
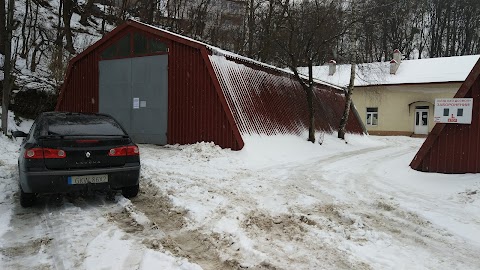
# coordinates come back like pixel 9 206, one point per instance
pixel 382 214
pixel 52 236
pixel 24 243
pixel 348 210
pixel 246 203
pixel 168 229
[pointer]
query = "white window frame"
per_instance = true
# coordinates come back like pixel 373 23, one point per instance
pixel 371 114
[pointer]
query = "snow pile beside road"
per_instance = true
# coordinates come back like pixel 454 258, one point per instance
pixel 8 169
pixel 17 123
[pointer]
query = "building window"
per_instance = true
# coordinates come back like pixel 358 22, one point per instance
pixel 142 45
pixel 372 116
pixel 459 112
pixel 156 46
pixel 446 112
pixel 139 44
pixel 123 49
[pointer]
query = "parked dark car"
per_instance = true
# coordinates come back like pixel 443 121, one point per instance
pixel 75 153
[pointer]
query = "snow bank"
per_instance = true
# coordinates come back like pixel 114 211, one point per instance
pixel 270 150
pixel 17 123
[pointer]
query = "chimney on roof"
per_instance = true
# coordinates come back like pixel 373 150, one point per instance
pixel 332 67
pixel 396 61
pixel 394 66
pixel 397 55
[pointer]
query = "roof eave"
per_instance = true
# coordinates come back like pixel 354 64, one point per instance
pixel 410 83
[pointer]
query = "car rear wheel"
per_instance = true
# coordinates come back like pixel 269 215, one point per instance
pixel 130 192
pixel 26 199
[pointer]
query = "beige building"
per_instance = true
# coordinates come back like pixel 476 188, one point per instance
pixel 398 97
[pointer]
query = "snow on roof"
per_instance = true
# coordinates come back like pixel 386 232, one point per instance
pixel 234 56
pixel 432 70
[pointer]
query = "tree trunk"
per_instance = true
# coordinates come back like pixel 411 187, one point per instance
pixel 25 48
pixel 7 67
pixel 348 103
pixel 251 27
pixel 34 62
pixel 59 38
pixel 67 17
pixel 87 10
pixel 151 11
pixel 311 109
pixel 3 31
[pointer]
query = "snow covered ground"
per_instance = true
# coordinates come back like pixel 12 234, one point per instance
pixel 281 203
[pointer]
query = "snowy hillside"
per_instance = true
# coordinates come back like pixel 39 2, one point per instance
pixel 40 63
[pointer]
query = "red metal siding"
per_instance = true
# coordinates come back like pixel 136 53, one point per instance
pixel 81 86
pixel 195 111
pixel 194 107
pixel 272 102
pixel 454 148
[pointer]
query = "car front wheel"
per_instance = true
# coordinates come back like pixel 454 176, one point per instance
pixel 130 192
pixel 26 199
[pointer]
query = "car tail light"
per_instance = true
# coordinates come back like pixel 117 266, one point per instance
pixel 36 153
pixel 131 150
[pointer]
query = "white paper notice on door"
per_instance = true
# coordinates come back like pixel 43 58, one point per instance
pixel 136 103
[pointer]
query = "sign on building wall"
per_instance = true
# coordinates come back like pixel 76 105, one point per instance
pixel 453 110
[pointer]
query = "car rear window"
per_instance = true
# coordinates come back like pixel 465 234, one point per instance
pixel 83 125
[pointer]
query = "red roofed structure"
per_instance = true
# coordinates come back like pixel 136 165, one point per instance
pixel 454 148
pixel 167 89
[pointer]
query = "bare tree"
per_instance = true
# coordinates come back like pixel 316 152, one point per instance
pixel 87 10
pixel 310 29
pixel 7 65
pixel 68 6
pixel 348 100
pixel 3 30
pixel 149 6
pixel 269 17
pixel 353 52
pixel 197 14
pixel 252 17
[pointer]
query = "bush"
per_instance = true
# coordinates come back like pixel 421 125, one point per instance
pixel 30 103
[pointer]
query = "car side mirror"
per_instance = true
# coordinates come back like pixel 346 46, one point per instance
pixel 19 134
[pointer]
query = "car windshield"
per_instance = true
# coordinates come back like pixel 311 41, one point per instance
pixel 83 125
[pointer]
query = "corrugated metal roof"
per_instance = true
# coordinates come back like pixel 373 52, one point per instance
pixel 263 102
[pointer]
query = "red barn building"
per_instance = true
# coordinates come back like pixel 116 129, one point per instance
pixel 454 148
pixel 166 89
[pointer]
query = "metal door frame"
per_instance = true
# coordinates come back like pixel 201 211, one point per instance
pixel 146 138
pixel 417 127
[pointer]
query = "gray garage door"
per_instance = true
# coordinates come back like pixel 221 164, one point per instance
pixel 135 92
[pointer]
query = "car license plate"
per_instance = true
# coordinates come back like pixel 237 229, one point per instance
pixel 85 179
